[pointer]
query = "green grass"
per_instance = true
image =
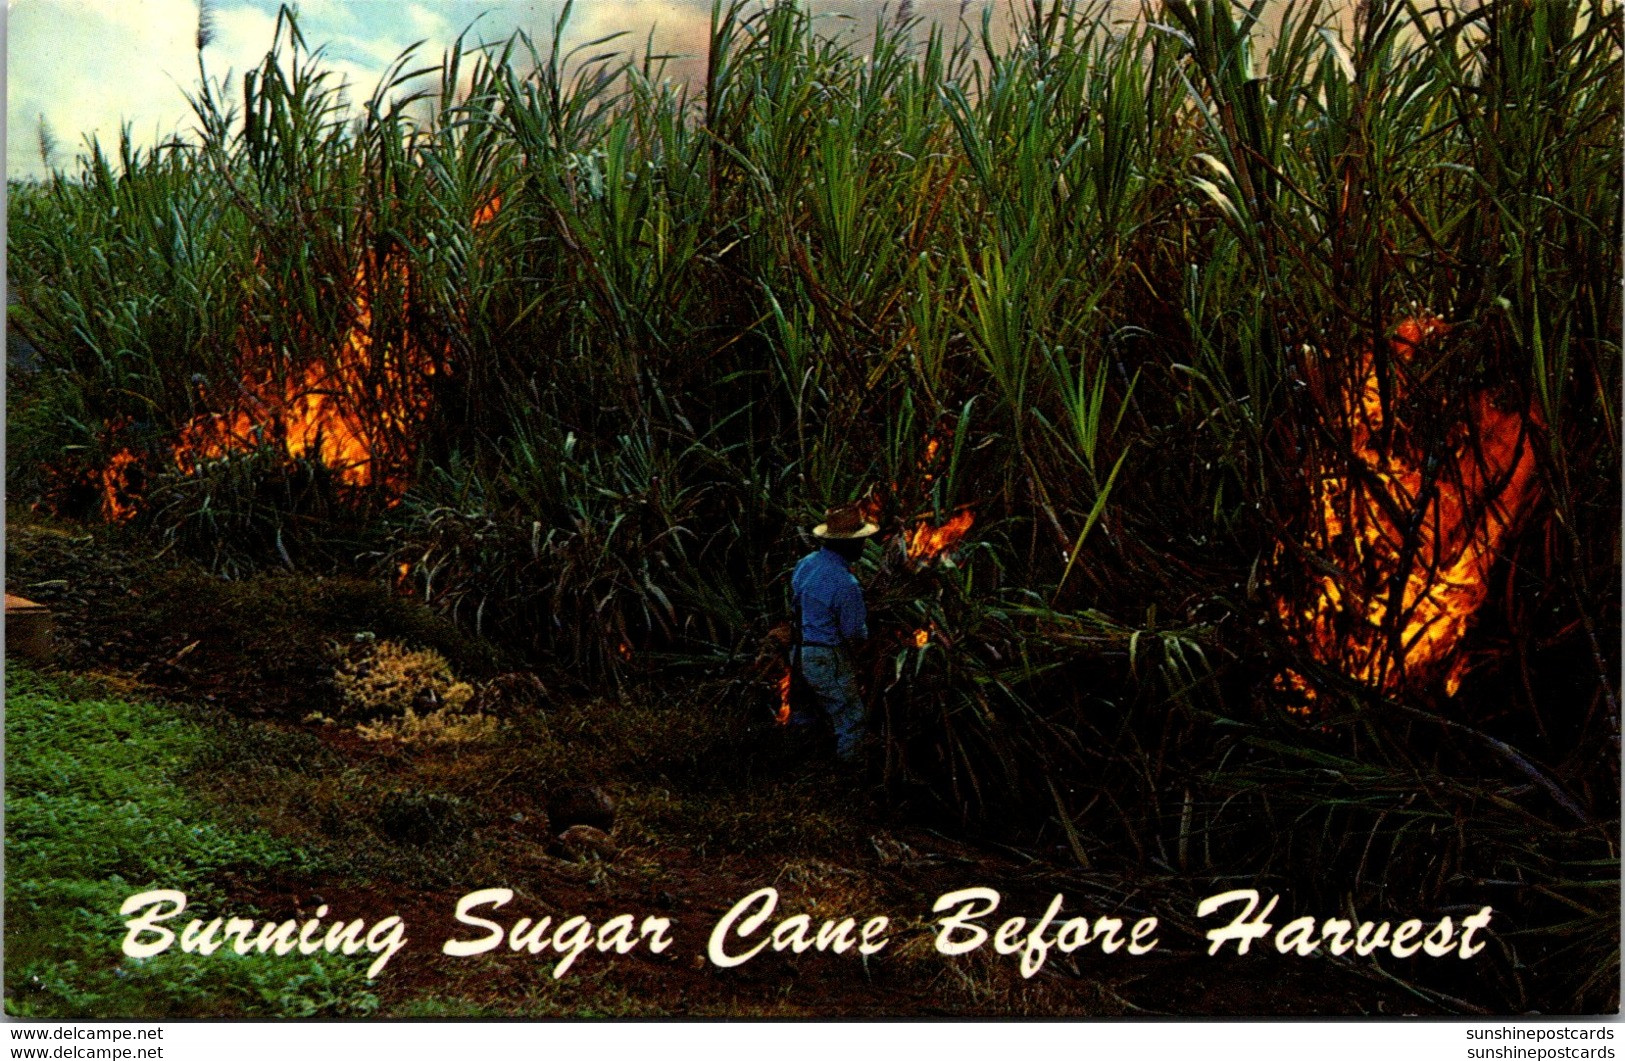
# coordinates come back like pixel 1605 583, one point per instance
pixel 1121 274
pixel 94 814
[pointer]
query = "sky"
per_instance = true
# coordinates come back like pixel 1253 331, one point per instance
pixel 92 66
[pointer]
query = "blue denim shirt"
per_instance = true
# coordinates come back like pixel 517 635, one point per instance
pixel 828 600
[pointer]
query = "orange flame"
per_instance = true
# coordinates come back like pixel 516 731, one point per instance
pixel 929 461
pixel 352 411
pixel 118 489
pixel 922 637
pixel 925 543
pixel 347 414
pixel 783 715
pixel 488 211
pixel 1437 576
pixel 871 506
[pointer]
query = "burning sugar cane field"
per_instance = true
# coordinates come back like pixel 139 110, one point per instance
pixel 413 478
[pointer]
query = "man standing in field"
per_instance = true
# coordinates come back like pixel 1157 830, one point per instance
pixel 833 623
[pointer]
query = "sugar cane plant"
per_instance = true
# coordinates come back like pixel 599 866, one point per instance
pixel 1237 388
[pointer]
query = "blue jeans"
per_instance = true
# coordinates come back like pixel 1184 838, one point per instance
pixel 835 686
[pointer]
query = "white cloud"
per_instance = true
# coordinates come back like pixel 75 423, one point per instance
pixel 337 14
pixel 242 36
pixel 428 24
pixel 91 68
pixel 91 65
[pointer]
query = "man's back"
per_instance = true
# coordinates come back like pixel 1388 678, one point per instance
pixel 828 600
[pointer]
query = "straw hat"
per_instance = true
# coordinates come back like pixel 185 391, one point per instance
pixel 845 522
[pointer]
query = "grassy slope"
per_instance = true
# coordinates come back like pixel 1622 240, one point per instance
pixel 94 814
pixel 108 795
pixel 233 801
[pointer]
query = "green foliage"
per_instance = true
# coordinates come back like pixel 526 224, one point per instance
pixel 1125 274
pixel 94 815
